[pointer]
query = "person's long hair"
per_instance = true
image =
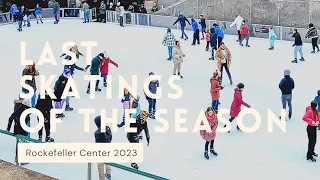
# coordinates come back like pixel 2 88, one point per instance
pixel 315 110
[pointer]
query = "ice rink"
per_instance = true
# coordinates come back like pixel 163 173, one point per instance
pixel 178 156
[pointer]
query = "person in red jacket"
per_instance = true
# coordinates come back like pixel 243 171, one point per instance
pixel 312 117
pixel 236 104
pixel 104 69
pixel 215 90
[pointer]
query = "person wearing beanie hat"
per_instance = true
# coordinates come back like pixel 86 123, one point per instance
pixel 236 104
pixel 312 117
pixel 317 100
pixel 169 40
pixel 182 19
pixel 215 90
pixel 95 70
pixel 286 86
pixel 104 69
pixel 196 32
pixel 153 86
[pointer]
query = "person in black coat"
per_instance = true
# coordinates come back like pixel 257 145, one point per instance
pixel 141 124
pixel 297 45
pixel 182 19
pixel 45 106
pixel 213 42
pixel 286 86
pixel 58 90
pixel 103 137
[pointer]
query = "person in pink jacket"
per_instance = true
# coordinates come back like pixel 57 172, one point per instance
pixel 312 117
pixel 215 90
pixel 236 104
pixel 210 136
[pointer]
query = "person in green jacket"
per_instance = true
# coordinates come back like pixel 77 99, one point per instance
pixel 86 11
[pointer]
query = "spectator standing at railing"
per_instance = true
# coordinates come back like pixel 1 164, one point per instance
pixel 122 12
pixel 72 4
pixel 56 11
pixel 154 7
pixel 15 11
pixel 102 12
pixel 50 3
pixel 142 9
pixel 118 10
pixel 313 35
pixel 111 7
pixel 86 12
pixel 182 19
pixel 38 12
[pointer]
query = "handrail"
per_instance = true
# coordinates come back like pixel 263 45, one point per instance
pixel 132 170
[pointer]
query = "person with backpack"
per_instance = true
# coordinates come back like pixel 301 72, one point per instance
pixel 103 137
pixel 244 33
pixel 182 19
pixel 286 86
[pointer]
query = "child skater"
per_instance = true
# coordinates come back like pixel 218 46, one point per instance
pixel 215 90
pixel 207 37
pixel 38 12
pixel 210 136
pixel 126 101
pixel 272 37
pixel 58 90
pixel 140 124
pixel 236 104
pixel 104 68
pixel 170 41
pixel 75 50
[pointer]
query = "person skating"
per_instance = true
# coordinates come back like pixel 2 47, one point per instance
pixel 210 136
pixel 224 61
pixel 26 16
pixel 286 86
pixel 14 11
pixel 56 11
pixel 236 104
pixel 238 22
pixel 126 103
pixel 203 25
pixel 313 35
pixel 272 37
pixel 58 91
pixel 317 100
pixel 245 33
pixel 213 42
pixel 22 105
pixel 182 19
pixel 220 33
pixel 86 12
pixel 312 117
pixel 169 40
pixel 45 106
pixel 31 70
pixel 94 70
pixel 140 124
pixel 153 86
pixel 72 67
pixel 104 69
pixel 19 16
pixel 38 12
pixel 177 56
pixel 297 45
pixel 196 32
pixel 207 38
pixel 103 137
pixel 102 12
pixel 215 90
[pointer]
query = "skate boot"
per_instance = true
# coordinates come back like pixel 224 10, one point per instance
pixel 186 38
pixel 271 48
pixel 206 155
pixel 88 91
pixel 231 82
pixel 213 152
pixel 151 115
pixel 212 58
pixel 290 114
pixel 28 25
pixel 169 59
pixel 202 38
pixel 238 128
pixel 180 75
pixel 68 108
pixel 37 22
pixel 312 159
pixel 295 61
pixel 98 89
pixel 105 84
pixel 312 52
pixel 134 165
pixel 42 22
pixel 302 59
pixel 40 138
pixel 240 44
pixel 55 22
pixel 107 176
pixel 315 154
pixel 248 45
pixel 49 139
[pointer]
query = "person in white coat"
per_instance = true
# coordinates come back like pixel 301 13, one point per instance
pixel 177 56
pixel 238 21
pixel 122 12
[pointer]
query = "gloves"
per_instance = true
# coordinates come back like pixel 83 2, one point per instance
pixel 122 100
pixel 248 106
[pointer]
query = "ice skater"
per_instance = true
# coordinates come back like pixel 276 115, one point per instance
pixel 238 22
pixel 153 86
pixel 286 86
pixel 182 19
pixel 56 11
pixel 196 32
pixel 245 33
pixel 104 69
pixel 94 70
pixel 313 35
pixel 38 12
pixel 203 25
pixel 126 103
pixel 272 37
pixel 224 61
pixel 213 42
pixel 177 56
pixel 210 136
pixel 297 46
pixel 215 90
pixel 86 11
pixel 169 40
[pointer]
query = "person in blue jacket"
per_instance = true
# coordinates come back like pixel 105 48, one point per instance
pixel 213 42
pixel 317 100
pixel 95 70
pixel 286 86
pixel 220 33
pixel 14 11
pixel 203 25
pixel 196 32
pixel 182 19
pixel 38 12
pixel 103 137
pixel 153 85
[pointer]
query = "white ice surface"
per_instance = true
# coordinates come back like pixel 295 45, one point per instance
pixel 178 156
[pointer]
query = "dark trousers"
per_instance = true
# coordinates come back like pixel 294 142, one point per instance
pixel 121 21
pixel 152 105
pixel 196 37
pixel 219 41
pixel 97 84
pixel 183 34
pixel 230 120
pixel 104 76
pixel 215 104
pixel 239 36
pixel 47 126
pixel 207 145
pixel 225 66
pixel 314 42
pixel 207 46
pixel 312 136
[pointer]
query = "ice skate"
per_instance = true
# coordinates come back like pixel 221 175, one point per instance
pixel 206 155
pixel 295 61
pixel 40 138
pixel 212 58
pixel 28 25
pixel 315 154
pixel 248 45
pixel 312 52
pixel 49 139
pixel 231 82
pixel 302 59
pixel 68 108
pixel 134 165
pixel 105 84
pixel 98 89
pixel 107 176
pixel 88 91
pixel 169 59
pixel 312 159
pixel 180 75
pixel 240 44
pixel 238 128
pixel 151 115
pixel 213 152
pixel 271 48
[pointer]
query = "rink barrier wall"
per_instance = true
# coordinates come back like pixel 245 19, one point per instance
pixel 119 166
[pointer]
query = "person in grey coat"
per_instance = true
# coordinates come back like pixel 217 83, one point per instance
pixel 102 12
pixel 95 70
pixel 177 56
pixel 56 11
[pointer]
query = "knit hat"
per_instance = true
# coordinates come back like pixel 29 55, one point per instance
pixel 240 86
pixel 151 73
pixel 168 30
pixel 287 72
pixel 179 12
pixel 318 92
pixel 67 71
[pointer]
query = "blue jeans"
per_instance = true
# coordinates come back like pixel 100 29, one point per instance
pixel 183 33
pixel 203 30
pixel 285 99
pixel 104 76
pixel 215 104
pixel 152 105
pixel 121 21
pixel 296 49
pixel 170 51
pixel 56 17
pixel 20 24
pixel 87 16
pixel 28 19
pixel 123 121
